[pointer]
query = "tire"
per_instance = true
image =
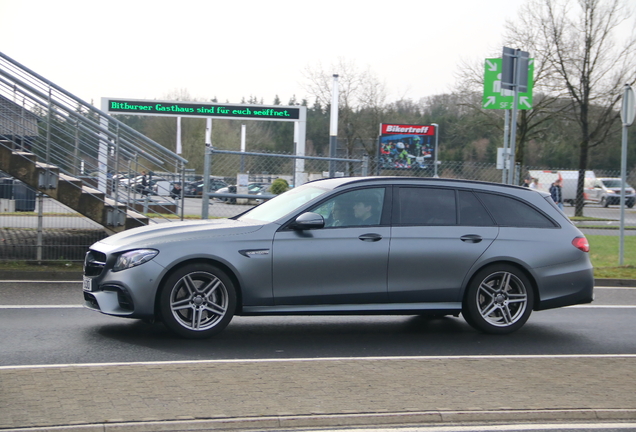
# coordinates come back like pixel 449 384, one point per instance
pixel 499 300
pixel 197 301
pixel 604 202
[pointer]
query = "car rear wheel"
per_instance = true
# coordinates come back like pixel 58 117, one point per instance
pixel 198 301
pixel 499 300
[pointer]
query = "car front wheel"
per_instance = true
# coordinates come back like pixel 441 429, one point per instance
pixel 198 301
pixel 499 300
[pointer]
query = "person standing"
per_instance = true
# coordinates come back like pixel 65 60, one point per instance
pixel 534 184
pixel 556 194
pixel 143 187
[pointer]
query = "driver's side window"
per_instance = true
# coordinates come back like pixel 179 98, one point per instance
pixel 362 207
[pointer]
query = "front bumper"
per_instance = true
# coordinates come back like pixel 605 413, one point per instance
pixel 129 293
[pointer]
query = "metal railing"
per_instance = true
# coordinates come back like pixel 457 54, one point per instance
pixel 63 131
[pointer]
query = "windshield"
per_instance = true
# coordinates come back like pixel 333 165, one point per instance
pixel 283 204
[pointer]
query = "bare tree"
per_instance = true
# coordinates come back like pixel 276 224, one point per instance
pixel 576 40
pixel 531 124
pixel 360 92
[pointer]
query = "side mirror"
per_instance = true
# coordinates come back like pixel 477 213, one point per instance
pixel 308 220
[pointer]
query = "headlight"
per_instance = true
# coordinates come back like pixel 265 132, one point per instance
pixel 134 258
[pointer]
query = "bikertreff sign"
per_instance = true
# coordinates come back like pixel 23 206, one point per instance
pixel 407 146
pixel 195 109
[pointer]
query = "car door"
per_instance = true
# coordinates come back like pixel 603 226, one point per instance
pixel 343 263
pixel 437 236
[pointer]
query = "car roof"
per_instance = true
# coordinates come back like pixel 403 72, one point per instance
pixel 337 182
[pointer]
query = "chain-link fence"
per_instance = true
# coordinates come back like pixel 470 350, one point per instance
pixel 34 227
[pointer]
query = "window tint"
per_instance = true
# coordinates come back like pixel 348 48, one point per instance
pixel 356 208
pixel 427 206
pixel 472 212
pixel 509 211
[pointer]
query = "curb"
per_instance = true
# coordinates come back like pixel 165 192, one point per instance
pixel 615 282
pixel 405 419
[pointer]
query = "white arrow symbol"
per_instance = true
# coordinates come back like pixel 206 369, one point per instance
pixel 491 100
pixel 492 66
pixel 523 100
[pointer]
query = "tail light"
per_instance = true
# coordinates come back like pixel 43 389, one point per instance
pixel 581 244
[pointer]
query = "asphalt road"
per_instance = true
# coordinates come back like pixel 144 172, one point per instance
pixel 44 323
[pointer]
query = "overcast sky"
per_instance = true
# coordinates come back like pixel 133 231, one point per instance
pixel 149 49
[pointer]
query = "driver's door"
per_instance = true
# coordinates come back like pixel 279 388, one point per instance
pixel 344 264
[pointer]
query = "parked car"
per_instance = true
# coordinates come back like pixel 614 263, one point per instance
pixel 606 191
pixel 195 189
pixel 255 188
pixel 375 245
pixel 136 184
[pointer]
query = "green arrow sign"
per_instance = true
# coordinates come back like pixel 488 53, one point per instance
pixel 497 98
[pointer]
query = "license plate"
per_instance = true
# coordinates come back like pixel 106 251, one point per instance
pixel 87 284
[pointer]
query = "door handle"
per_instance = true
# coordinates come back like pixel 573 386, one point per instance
pixel 471 238
pixel 370 237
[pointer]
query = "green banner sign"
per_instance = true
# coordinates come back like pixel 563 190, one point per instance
pixel 189 109
pixel 497 98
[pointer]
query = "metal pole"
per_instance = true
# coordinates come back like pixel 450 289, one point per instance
pixel 621 248
pixel 333 127
pixel 182 197
pixel 506 142
pixel 40 197
pixel 627 119
pixel 365 165
pixel 205 198
pixel 436 146
pixel 513 127
pixel 243 146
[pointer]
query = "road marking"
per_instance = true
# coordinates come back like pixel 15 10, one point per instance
pixel 331 359
pixel 40 281
pixel 497 428
pixel 615 288
pixel 40 306
pixel 591 306
pixel 585 306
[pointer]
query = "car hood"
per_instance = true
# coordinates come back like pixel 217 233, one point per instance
pixel 154 235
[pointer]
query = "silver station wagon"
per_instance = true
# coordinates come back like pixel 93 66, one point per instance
pixel 374 245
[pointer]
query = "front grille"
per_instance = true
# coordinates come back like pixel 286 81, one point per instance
pixel 94 263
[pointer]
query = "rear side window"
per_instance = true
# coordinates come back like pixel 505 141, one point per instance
pixel 512 212
pixel 426 206
pixel 472 212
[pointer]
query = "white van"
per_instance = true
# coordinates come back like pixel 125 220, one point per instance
pixel 568 181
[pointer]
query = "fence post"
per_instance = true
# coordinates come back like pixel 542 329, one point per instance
pixel 40 197
pixel 365 165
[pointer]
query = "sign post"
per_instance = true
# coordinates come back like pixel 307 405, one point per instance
pixel 508 85
pixel 628 110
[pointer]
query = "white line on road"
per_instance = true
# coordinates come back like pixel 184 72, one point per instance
pixel 40 306
pixel 585 306
pixel 499 428
pixel 329 359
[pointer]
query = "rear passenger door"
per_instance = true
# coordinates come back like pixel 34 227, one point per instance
pixel 437 235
